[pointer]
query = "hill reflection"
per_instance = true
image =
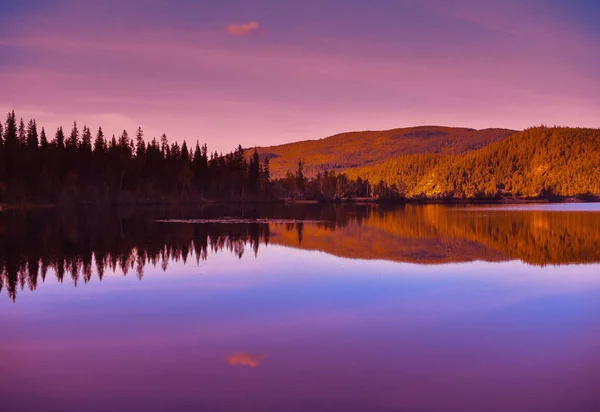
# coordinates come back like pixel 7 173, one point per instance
pixel 78 244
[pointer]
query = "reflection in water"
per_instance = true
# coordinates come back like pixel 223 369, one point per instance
pixel 294 330
pixel 77 244
pixel 246 359
pixel 440 234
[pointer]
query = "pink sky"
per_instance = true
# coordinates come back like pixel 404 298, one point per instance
pixel 259 73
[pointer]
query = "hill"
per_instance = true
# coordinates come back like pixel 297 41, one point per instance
pixel 357 149
pixel 538 161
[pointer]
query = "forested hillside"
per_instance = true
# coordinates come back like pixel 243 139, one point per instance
pixel 79 168
pixel 539 161
pixel 355 149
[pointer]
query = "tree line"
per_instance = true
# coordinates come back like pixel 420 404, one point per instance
pixel 79 166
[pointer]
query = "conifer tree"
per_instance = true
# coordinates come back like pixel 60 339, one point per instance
pixel 164 145
pixel 140 146
pixel 32 135
pixel 254 172
pixel 22 134
pixel 73 140
pixel 43 139
pixel 185 155
pixel 10 133
pixel 266 177
pixel 86 140
pixel 300 180
pixel 100 142
pixel 59 138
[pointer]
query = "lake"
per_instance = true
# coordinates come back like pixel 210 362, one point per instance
pixel 301 308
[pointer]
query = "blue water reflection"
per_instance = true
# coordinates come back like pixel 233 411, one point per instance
pixel 300 329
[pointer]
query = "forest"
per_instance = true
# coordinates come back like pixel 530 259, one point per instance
pixel 76 166
pixel 547 162
pixel 357 149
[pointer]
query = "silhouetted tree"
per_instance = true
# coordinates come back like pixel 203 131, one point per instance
pixel 548 162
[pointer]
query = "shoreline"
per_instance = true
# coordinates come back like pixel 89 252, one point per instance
pixel 6 207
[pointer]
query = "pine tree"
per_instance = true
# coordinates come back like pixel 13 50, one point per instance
pixel 164 145
pixel 300 180
pixel 86 140
pixel 185 155
pixel 59 138
pixel 32 135
pixel 73 141
pixel 11 146
pixel 197 154
pixel 22 134
pixel 43 139
pixel 100 142
pixel 10 133
pixel 2 162
pixel 254 172
pixel 140 146
pixel 266 177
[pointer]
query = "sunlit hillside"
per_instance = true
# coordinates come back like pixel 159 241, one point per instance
pixel 356 149
pixel 538 161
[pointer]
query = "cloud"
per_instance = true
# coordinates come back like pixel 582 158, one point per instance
pixel 242 29
pixel 245 359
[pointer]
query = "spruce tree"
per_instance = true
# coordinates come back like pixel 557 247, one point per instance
pixel 22 134
pixel 86 140
pixel 32 135
pixel 140 147
pixel 185 155
pixel 100 143
pixel 300 180
pixel 164 145
pixel 59 138
pixel 254 172
pixel 73 140
pixel 43 139
pixel 10 134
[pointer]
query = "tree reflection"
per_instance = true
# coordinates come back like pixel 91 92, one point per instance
pixel 78 244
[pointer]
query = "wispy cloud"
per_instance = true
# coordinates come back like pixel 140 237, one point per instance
pixel 246 359
pixel 242 29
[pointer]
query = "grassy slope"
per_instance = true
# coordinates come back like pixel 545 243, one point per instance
pixel 356 149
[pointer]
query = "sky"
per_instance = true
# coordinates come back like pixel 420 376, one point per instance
pixel 266 72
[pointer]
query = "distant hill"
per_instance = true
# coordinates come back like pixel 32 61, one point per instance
pixel 538 161
pixel 357 149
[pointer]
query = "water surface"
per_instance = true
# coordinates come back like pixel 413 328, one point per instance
pixel 290 308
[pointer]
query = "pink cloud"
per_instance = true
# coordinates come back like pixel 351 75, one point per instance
pixel 246 359
pixel 242 29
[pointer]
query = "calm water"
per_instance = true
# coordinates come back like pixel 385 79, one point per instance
pixel 335 308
